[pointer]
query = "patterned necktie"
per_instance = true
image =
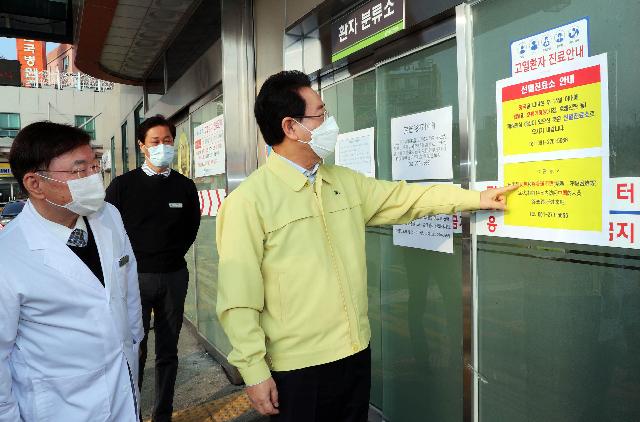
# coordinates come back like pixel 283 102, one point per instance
pixel 78 238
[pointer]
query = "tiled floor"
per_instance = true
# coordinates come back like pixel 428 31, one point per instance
pixel 203 392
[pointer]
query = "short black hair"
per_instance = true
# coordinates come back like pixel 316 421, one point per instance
pixel 37 144
pixel 151 122
pixel 278 98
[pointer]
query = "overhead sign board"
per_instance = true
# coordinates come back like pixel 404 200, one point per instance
pixel 366 25
pixel 32 56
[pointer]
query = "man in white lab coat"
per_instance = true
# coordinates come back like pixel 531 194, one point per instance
pixel 70 316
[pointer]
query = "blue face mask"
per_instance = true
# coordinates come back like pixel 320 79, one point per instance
pixel 161 155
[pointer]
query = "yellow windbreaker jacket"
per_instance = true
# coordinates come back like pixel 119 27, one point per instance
pixel 292 282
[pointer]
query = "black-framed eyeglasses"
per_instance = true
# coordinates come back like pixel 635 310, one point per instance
pixel 80 173
pixel 324 116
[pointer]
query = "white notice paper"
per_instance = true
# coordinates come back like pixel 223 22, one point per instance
pixel 355 150
pixel 208 148
pixel 432 233
pixel 421 145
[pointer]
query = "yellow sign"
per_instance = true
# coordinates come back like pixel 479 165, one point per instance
pixel 557 194
pixel 556 113
pixel 5 170
pixel 184 155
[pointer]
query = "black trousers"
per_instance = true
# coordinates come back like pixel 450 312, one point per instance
pixel 332 392
pixel 164 294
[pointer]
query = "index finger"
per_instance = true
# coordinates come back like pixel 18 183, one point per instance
pixel 506 189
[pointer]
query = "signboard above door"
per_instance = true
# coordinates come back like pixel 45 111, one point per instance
pixel 366 25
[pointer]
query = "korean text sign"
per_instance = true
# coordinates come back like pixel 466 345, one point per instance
pixel 32 57
pixel 551 47
pixel 208 148
pixel 366 25
pixel 421 145
pixel 553 140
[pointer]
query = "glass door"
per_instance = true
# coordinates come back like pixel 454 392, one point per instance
pixel 415 295
pixel 421 291
pixel 558 323
pixel 206 254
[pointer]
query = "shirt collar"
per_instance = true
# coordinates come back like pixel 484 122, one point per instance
pixel 309 173
pixel 151 172
pixel 293 177
pixel 286 172
pixel 58 230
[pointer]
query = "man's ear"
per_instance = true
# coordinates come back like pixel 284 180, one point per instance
pixel 31 182
pixel 288 127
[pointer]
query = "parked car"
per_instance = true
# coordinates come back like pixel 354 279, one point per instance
pixel 10 211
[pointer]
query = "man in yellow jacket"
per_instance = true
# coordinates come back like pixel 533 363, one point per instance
pixel 292 292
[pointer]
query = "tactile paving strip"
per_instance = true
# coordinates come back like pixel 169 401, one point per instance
pixel 223 409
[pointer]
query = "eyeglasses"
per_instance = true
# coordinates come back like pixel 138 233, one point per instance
pixel 324 116
pixel 79 173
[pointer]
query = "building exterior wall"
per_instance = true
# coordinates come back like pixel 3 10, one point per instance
pixel 110 109
pixel 61 55
pixel 60 106
pixel 119 109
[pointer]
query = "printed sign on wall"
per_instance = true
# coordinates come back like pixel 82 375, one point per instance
pixel 555 46
pixel 553 140
pixel 208 148
pixel 432 233
pixel 421 145
pixel 355 150
pixel 622 217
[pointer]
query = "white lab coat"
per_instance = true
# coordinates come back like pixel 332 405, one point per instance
pixel 65 340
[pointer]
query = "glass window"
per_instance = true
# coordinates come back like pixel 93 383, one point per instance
pixel 125 149
pixel 65 64
pixel 205 246
pixel 88 124
pixel 558 323
pixel 9 124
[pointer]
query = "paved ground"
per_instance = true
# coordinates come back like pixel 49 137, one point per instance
pixel 203 393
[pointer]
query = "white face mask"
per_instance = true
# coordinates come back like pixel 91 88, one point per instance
pixel 323 138
pixel 161 155
pixel 87 194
